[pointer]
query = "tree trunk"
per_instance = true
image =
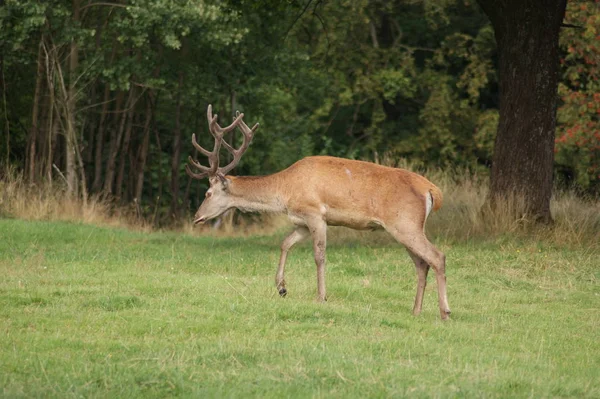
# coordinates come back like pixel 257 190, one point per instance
pixel 90 125
pixel 143 155
pixel 71 100
pixel 97 184
pixel 51 137
pixel 125 149
pixel 94 130
pixel 176 160
pixel 31 155
pixel 188 186
pixel 527 38
pixel 6 120
pixel 54 147
pixel 115 142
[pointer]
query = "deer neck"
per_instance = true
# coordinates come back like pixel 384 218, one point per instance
pixel 255 193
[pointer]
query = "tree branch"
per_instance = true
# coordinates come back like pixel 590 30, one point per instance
pixel 103 4
pixel 296 20
pixel 564 25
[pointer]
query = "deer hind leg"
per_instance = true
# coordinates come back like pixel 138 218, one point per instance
pixel 318 231
pixel 416 242
pixel 422 269
pixel 295 236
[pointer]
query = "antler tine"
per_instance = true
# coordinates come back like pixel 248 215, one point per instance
pixel 213 156
pixel 209 114
pixel 197 165
pixel 213 159
pixel 195 175
pixel 237 154
pixel 198 147
pixel 205 170
pixel 245 129
pixel 215 129
pixel 212 121
pixel 219 131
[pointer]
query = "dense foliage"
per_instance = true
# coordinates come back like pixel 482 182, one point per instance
pixel 106 95
pixel 578 138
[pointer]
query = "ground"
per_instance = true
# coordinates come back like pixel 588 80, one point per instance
pixel 100 312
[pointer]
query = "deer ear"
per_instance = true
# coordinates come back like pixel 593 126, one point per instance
pixel 224 181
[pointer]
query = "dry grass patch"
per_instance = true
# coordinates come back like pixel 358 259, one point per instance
pixel 577 220
pixel 51 201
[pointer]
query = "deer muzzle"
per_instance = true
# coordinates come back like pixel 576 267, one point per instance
pixel 199 220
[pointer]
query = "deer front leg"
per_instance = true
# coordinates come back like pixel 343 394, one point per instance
pixel 296 236
pixel 318 231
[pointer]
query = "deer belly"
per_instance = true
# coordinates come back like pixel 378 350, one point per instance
pixel 350 218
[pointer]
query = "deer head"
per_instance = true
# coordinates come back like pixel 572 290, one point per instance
pixel 217 198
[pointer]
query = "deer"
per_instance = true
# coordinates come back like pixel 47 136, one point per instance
pixel 320 191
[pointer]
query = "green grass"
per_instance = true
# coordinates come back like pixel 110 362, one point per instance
pixel 98 312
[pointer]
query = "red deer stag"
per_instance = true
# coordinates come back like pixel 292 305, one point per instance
pixel 318 191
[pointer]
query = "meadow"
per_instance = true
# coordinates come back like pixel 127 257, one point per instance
pixel 103 311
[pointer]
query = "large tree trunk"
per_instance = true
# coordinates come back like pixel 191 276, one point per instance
pixel 527 38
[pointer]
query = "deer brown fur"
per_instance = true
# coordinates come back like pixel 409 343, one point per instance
pixel 319 191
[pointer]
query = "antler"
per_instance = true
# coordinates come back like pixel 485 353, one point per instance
pixel 213 156
pixel 237 154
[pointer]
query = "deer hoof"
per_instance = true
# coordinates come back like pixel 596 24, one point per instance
pixel 282 292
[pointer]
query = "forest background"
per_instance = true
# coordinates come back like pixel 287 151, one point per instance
pixel 102 97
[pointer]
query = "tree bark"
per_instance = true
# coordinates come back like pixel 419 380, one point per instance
pixel 50 139
pixel 115 142
pixel 125 149
pixel 161 177
pixel 176 160
pixel 6 120
pixel 31 155
pixel 71 100
pixel 143 154
pixel 188 186
pixel 527 38
pixel 99 142
pixel 97 184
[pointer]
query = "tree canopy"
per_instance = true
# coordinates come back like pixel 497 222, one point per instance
pixel 106 95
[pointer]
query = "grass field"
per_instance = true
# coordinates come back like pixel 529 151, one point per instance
pixel 98 312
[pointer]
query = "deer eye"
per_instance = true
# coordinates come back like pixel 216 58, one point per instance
pixel 208 194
